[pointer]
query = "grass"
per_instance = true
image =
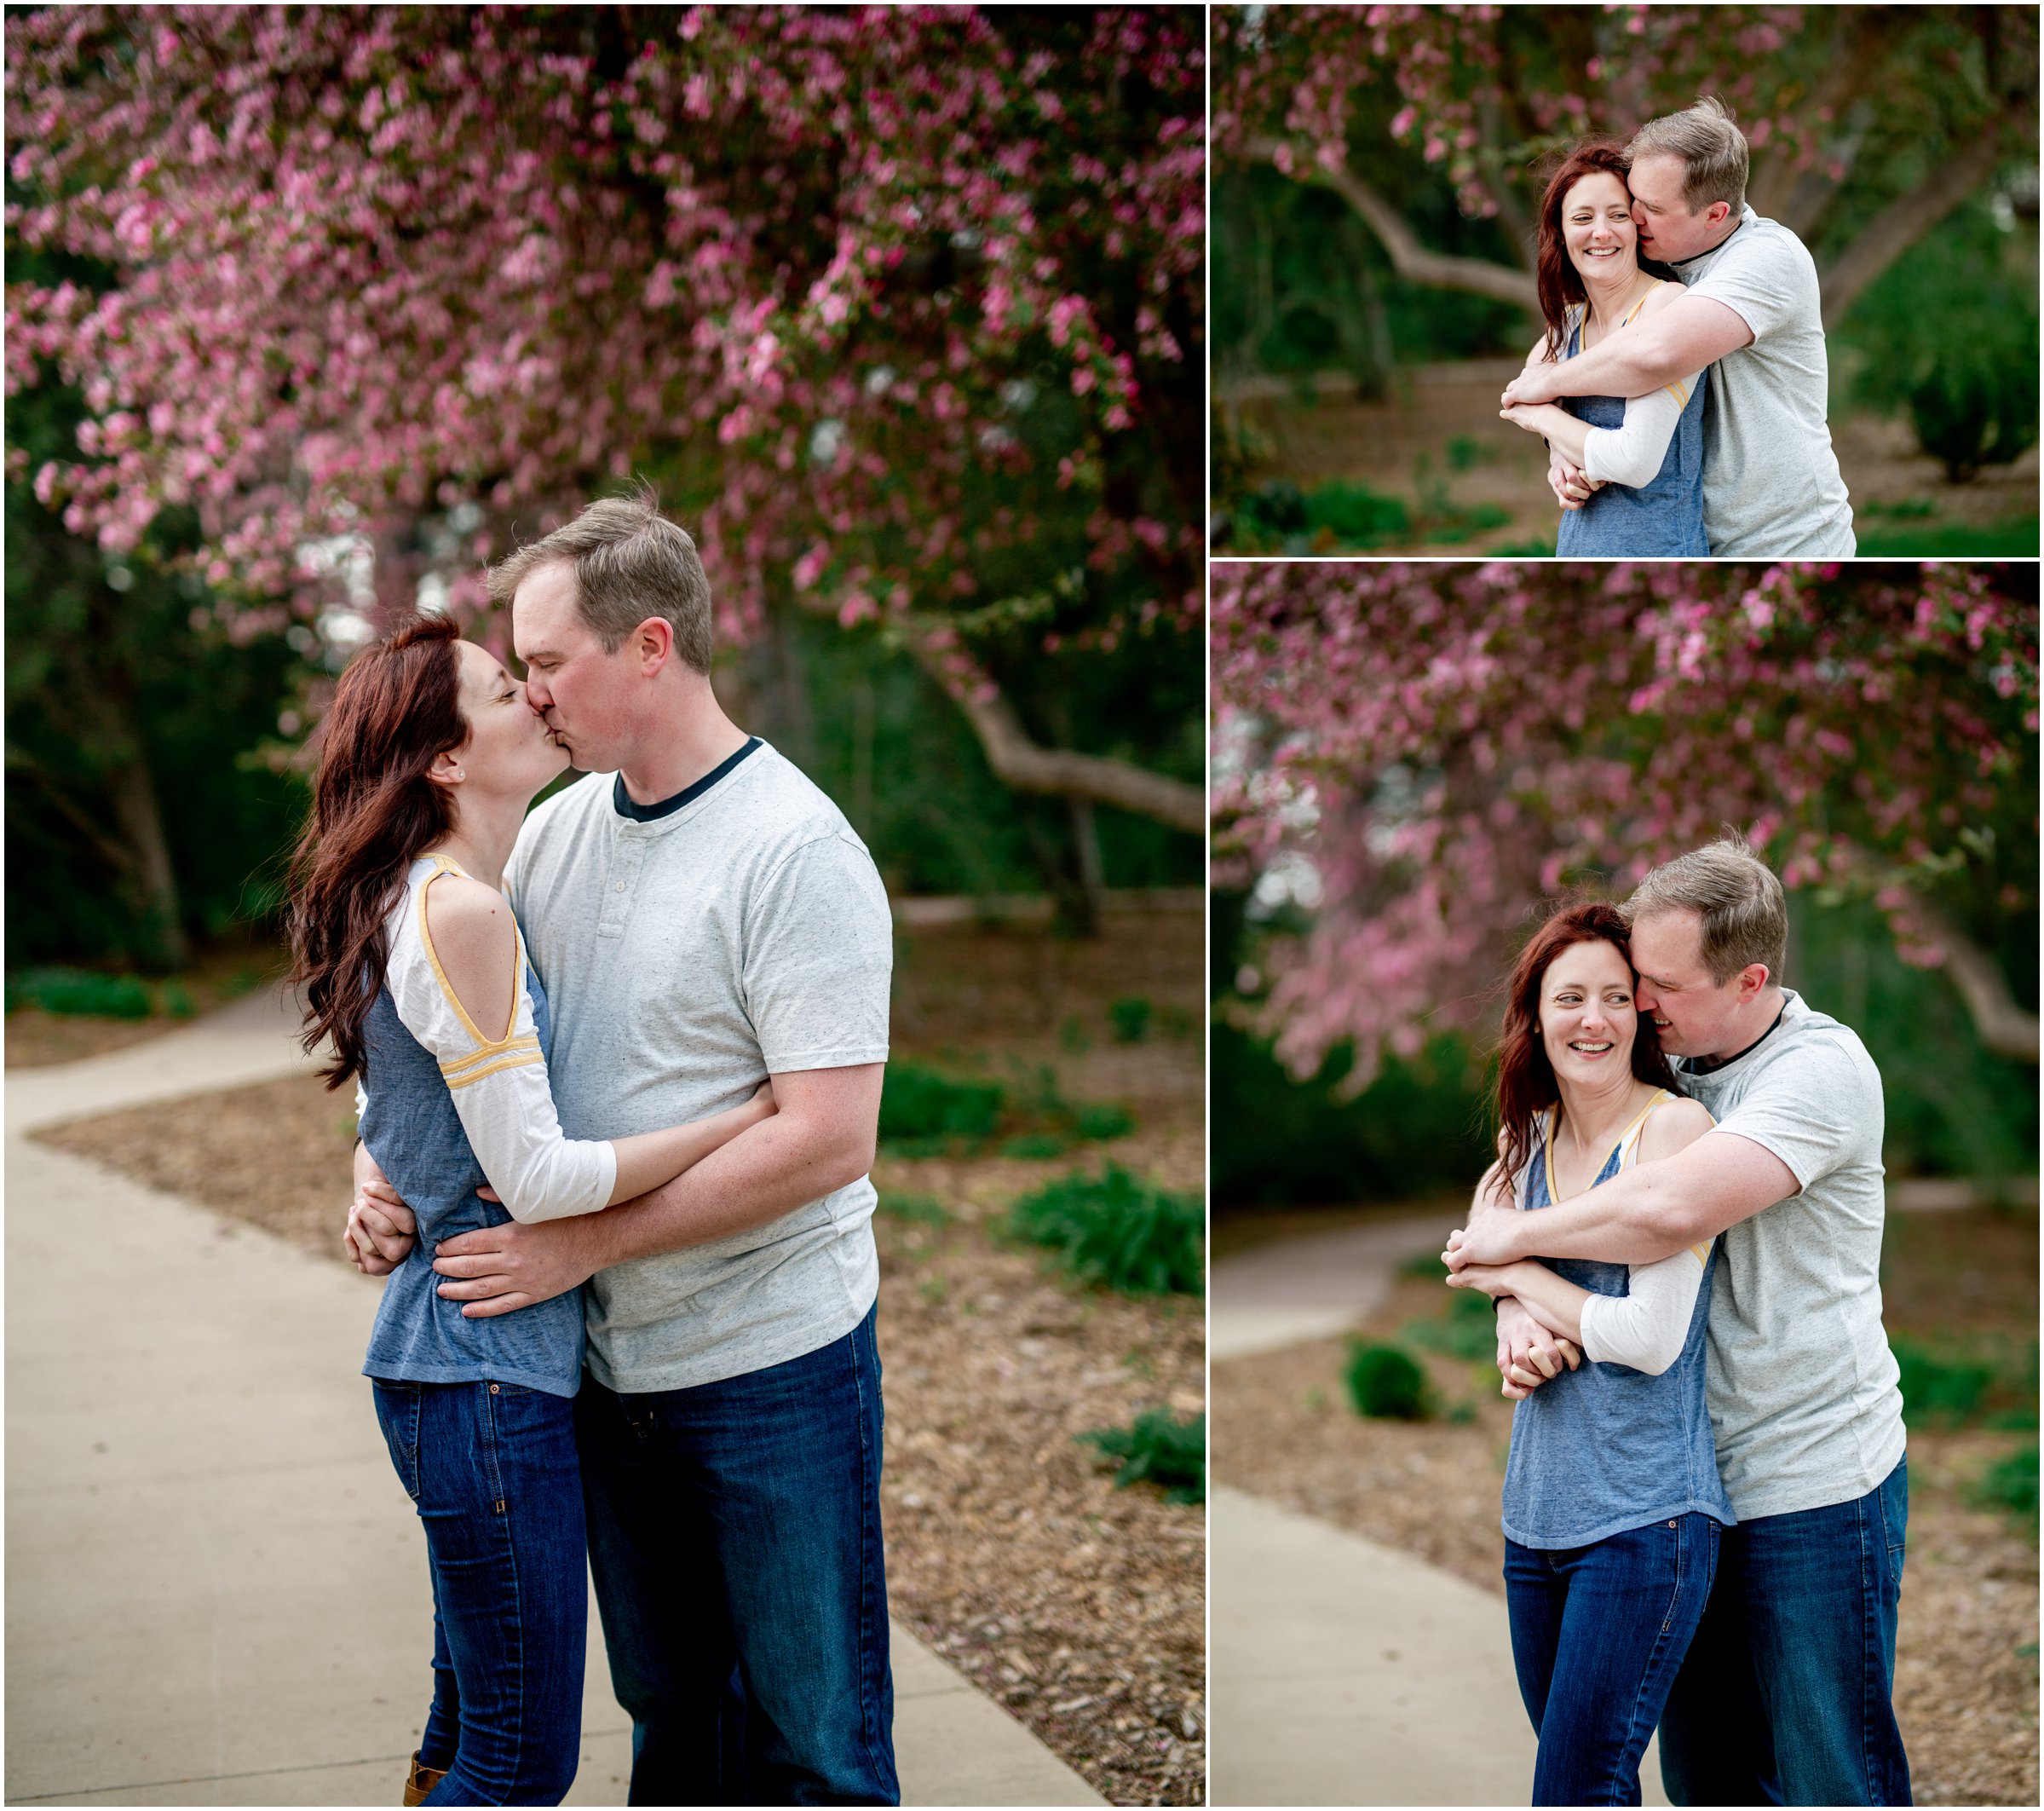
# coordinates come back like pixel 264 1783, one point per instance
pixel 2010 1484
pixel 2011 534
pixel 77 993
pixel 1986 1380
pixel 1467 1329
pixel 1156 1449
pixel 1118 1230
pixel 922 1210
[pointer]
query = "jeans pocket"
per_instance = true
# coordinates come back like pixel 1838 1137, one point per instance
pixel 398 1409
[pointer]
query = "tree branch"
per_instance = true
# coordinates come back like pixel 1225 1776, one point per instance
pixel 1904 221
pixel 1410 258
pixel 2004 1026
pixel 1065 773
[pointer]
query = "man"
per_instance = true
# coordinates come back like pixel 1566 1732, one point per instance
pixel 704 917
pixel 1771 487
pixel 1785 1695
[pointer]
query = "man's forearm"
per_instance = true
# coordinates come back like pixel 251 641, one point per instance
pixel 767 1170
pixel 1634 363
pixel 1638 1217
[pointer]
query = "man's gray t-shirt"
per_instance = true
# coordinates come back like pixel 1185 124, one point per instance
pixel 687 958
pixel 1771 487
pixel 1802 1387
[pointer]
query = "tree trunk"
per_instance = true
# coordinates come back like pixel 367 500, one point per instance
pixel 2005 1027
pixel 1904 221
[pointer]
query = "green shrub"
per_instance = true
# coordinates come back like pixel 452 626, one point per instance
pixel 1036 1145
pixel 1355 513
pixel 924 1210
pixel 2010 1484
pixel 1130 1016
pixel 1465 1328
pixel 1158 1449
pixel 1936 1388
pixel 1967 415
pixel 1386 1383
pixel 1102 1120
pixel 1118 1230
pixel 919 1104
pixel 76 992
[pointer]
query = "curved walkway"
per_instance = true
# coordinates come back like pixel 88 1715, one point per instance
pixel 216 1588
pixel 1344 1672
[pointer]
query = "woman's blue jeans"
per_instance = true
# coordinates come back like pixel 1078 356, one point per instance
pixel 734 1534
pixel 492 1470
pixel 1788 1696
pixel 1598 1635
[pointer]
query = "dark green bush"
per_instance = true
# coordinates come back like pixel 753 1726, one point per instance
pixel 923 1209
pixel 919 1104
pixel 1465 1328
pixel 1118 1230
pixel 1385 1383
pixel 1158 1449
pixel 1036 1145
pixel 77 993
pixel 1102 1120
pixel 1967 415
pixel 2010 1484
pixel 1130 1016
pixel 1938 1390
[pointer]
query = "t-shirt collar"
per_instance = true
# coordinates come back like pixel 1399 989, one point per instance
pixel 626 806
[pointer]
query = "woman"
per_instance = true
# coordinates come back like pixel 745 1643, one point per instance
pixel 1612 1501
pixel 414 969
pixel 1645 456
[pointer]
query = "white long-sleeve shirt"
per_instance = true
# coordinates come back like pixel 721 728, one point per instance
pixel 500 1084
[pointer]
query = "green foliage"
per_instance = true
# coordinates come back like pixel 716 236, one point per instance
pixel 1158 1449
pixel 1129 1016
pixel 1465 1328
pixel 922 1210
pixel 1102 1120
pixel 1339 515
pixel 2010 1484
pixel 1118 1230
pixel 1415 1130
pixel 919 1104
pixel 1942 540
pixel 77 993
pixel 1948 333
pixel 1036 1145
pixel 1938 1390
pixel 1385 1383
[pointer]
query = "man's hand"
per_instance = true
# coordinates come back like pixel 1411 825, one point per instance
pixel 381 1228
pixel 1486 1239
pixel 1537 382
pixel 1570 488
pixel 1527 1353
pixel 499 1269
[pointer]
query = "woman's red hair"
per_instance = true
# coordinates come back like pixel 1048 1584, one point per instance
pixel 1526 1085
pixel 374 812
pixel 1556 280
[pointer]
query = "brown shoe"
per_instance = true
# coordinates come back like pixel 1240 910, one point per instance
pixel 422 1781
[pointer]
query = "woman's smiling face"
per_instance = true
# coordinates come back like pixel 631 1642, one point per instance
pixel 1588 1019
pixel 1597 227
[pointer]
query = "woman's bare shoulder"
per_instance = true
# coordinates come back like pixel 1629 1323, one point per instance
pixel 1660 297
pixel 1671 1125
pixel 466 913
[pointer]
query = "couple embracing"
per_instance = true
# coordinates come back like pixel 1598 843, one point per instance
pixel 1682 381
pixel 623 1210
pixel 1706 1498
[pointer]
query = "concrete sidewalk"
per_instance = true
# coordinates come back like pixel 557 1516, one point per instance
pixel 216 1589
pixel 1345 1673
pixel 1285 1294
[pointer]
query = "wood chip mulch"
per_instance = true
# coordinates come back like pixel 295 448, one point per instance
pixel 1966 1653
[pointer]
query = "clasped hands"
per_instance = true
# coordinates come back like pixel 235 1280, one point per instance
pixel 1529 1352
pixel 492 1271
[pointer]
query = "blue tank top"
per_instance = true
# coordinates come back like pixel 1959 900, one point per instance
pixel 1665 516
pixel 1605 1448
pixel 412 1130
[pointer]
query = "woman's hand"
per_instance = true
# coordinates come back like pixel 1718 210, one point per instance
pixel 1528 1352
pixel 762 1103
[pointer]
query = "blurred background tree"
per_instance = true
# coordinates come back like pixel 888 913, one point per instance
pixel 310 315
pixel 1409 760
pixel 1378 172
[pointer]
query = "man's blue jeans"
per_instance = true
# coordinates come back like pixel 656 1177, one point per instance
pixel 1597 1633
pixel 734 1534
pixel 492 1468
pixel 1787 1697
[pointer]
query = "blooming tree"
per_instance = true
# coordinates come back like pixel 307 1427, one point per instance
pixel 1418 754
pixel 901 304
pixel 1868 124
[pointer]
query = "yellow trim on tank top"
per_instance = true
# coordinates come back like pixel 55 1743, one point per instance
pixel 523 1059
pixel 1547 1151
pixel 452 1069
pixel 489 1046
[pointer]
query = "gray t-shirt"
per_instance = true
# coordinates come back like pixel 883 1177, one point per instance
pixel 1801 1385
pixel 1771 487
pixel 687 958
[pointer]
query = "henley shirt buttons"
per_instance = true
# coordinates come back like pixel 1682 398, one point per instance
pixel 620 886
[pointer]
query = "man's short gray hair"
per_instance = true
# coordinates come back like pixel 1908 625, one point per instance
pixel 630 563
pixel 1711 148
pixel 1745 917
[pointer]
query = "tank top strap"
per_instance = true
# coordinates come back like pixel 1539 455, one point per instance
pixel 1642 302
pixel 1628 1142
